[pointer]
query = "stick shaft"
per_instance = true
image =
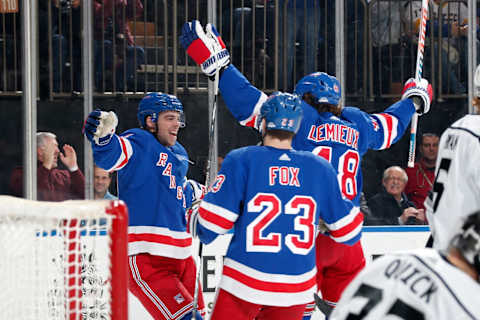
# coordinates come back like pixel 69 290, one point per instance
pixel 208 176
pixel 418 76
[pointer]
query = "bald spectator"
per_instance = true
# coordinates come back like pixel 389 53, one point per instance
pixel 53 184
pixel 391 206
pixel 101 182
pixel 422 175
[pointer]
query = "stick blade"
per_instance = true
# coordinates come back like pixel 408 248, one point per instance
pixel 324 307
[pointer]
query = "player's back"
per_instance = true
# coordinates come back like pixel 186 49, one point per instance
pixel 273 199
pixel 416 285
pixel 278 185
pixel 457 186
pixel 336 140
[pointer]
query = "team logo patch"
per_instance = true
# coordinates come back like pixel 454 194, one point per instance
pixel 179 298
pixel 335 88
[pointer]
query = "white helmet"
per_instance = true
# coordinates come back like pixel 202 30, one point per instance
pixel 476 82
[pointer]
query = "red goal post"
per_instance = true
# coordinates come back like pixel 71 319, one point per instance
pixel 63 260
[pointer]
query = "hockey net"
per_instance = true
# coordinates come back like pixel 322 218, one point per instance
pixel 63 260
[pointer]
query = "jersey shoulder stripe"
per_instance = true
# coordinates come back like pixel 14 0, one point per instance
pixel 467 130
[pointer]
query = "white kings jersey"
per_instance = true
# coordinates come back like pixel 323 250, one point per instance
pixel 273 199
pixel 419 285
pixel 456 191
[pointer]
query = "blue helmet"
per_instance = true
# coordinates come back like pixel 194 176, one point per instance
pixel 324 87
pixel 282 111
pixel 156 102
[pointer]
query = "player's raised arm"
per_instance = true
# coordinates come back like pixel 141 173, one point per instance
pixel 99 129
pixel 385 128
pixel 208 50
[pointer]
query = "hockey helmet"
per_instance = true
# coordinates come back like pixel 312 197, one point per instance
pixel 322 86
pixel 156 102
pixel 467 241
pixel 476 82
pixel 281 111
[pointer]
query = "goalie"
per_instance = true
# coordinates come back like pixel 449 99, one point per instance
pixel 422 284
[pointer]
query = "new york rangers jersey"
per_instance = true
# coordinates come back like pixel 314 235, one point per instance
pixel 420 285
pixel 456 190
pixel 150 181
pixel 273 198
pixel 342 141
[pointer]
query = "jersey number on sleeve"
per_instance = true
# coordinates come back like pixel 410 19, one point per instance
pixel 270 208
pixel 347 169
pixel 374 296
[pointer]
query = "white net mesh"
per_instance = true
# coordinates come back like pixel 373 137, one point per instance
pixel 55 260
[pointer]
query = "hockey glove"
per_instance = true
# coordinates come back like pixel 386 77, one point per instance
pixel 420 91
pixel 192 218
pixel 100 126
pixel 198 190
pixel 206 49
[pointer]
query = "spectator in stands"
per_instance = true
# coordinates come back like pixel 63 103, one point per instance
pixel 53 184
pixel 388 52
pixel 299 23
pixel 449 22
pixel 237 18
pixel 391 206
pixel 65 34
pixel 101 182
pixel 114 47
pixel 422 175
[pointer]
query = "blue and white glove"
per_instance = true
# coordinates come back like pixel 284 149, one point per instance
pixel 421 93
pixel 207 49
pixel 192 219
pixel 198 192
pixel 99 127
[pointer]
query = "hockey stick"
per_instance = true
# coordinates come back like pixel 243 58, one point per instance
pixel 324 307
pixel 418 76
pixel 208 173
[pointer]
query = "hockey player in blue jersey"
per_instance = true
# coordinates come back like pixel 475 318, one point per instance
pixel 151 167
pixel 342 135
pixel 272 198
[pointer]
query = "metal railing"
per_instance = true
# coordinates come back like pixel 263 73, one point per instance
pixel 274 43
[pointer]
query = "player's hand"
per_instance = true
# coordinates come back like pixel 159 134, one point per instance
pixel 207 49
pixel 100 126
pixel 421 93
pixel 198 190
pixel 192 218
pixel 69 157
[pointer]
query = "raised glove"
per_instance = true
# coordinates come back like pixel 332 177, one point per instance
pixel 206 49
pixel 100 126
pixel 421 93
